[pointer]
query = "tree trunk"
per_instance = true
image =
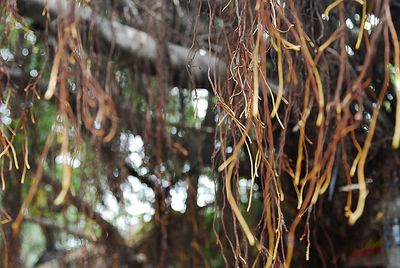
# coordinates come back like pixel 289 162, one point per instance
pixel 12 242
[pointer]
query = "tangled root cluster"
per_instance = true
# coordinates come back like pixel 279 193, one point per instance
pixel 301 97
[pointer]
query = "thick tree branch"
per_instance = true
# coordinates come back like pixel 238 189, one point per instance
pixel 129 41
pixel 83 207
pixel 59 226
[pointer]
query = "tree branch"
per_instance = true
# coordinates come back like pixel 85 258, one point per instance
pixel 111 237
pixel 150 183
pixel 130 41
pixel 83 207
pixel 59 226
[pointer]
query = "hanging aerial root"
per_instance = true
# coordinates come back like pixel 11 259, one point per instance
pixel 280 80
pixel 302 123
pixel 255 75
pixel 35 185
pixel 396 55
pixel 254 174
pixel 356 214
pixel 53 76
pixel 331 6
pixel 67 172
pixel 396 136
pixel 234 206
pixel 229 164
pixel 360 34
